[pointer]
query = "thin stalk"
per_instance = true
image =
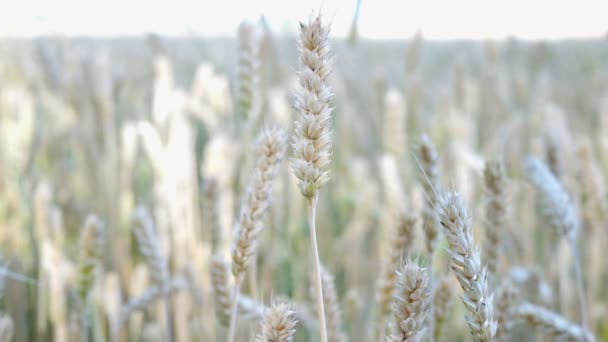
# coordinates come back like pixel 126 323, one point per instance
pixel 312 209
pixel 578 273
pixel 234 308
pixel 167 312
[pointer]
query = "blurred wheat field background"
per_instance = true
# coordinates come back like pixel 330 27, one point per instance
pixel 163 189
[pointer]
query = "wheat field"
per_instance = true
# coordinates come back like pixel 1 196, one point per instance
pixel 273 188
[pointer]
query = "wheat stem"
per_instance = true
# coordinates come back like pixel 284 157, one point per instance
pixel 312 209
pixel 234 308
pixel 578 274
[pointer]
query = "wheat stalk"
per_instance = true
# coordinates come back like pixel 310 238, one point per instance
pixel 466 265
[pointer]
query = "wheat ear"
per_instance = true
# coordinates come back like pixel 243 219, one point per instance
pixel 411 303
pixel 333 313
pixel 248 69
pixel 278 324
pixel 443 297
pixel 555 325
pixel 429 177
pixel 149 247
pixel 91 254
pixel 400 243
pixel 312 133
pixel 496 212
pixel 559 212
pixel 506 300
pixel 466 265
pixel 271 149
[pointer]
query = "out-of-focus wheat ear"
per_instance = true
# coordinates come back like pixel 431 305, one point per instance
pixel 278 324
pixel 559 212
pixel 220 282
pixel 395 123
pixel 429 178
pixel 495 212
pixel 443 299
pixel 211 212
pixel 92 241
pixel 248 70
pixel 7 328
pixel 149 247
pixel 411 303
pixel 333 313
pixel 506 300
pixel 466 264
pixel 271 150
pixel 400 243
pixel 552 323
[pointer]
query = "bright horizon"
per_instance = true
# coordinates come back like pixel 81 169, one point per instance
pixel 378 19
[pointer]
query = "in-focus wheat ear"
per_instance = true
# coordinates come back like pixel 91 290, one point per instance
pixel 410 306
pixel 312 132
pixel 278 324
pixel 466 264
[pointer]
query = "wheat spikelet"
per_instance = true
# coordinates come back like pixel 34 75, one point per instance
pixel 466 265
pixel 505 300
pixel 554 325
pixel 400 243
pixel 443 297
pixel 278 324
pixel 333 313
pixel 248 70
pixel 312 132
pixel 427 156
pixel 496 212
pixel 272 148
pixel 411 303
pixel 91 254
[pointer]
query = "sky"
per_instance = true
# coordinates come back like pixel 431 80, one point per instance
pixel 379 19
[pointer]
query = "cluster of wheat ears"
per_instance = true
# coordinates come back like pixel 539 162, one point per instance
pixel 244 280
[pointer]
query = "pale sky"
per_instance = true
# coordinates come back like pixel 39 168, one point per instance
pixel 379 19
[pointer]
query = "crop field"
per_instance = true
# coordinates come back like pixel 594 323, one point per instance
pixel 303 188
